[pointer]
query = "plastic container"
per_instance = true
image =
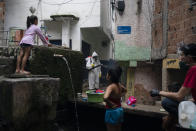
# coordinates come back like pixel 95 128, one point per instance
pixel 186 113
pixel 193 123
pixel 94 97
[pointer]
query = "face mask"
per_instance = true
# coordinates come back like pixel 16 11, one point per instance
pixel 183 65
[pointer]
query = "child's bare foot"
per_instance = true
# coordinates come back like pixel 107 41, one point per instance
pixel 17 71
pixel 25 72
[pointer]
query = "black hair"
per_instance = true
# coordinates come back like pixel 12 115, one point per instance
pixel 115 74
pixel 189 49
pixel 31 20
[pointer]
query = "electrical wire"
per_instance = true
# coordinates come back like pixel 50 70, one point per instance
pixel 57 3
pixel 69 3
pixel 62 5
pixel 90 13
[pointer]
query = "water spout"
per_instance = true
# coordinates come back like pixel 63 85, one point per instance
pixel 69 70
pixel 58 55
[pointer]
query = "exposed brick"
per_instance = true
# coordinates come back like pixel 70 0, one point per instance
pixel 190 39
pixel 187 23
pixel 187 31
pixel 180 23
pixel 172 36
pixel 158 6
pixel 171 49
pixel 172 20
pixel 179 40
pixel 179 34
pixel 193 21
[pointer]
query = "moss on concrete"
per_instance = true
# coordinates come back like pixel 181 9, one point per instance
pixel 29 102
pixel 43 62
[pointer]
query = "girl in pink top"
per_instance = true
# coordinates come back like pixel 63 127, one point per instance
pixel 27 42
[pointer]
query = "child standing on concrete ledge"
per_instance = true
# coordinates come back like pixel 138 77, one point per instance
pixel 112 97
pixel 27 42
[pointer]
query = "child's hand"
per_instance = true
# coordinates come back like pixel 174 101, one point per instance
pixel 114 106
pixel 49 45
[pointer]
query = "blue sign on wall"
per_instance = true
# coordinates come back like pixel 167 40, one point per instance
pixel 124 29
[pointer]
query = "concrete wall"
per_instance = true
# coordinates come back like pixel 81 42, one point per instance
pixel 137 45
pixel 54 29
pixel 88 12
pixel 96 38
pixel 42 62
pixel 107 24
pixel 32 101
pixel 149 76
pixel 2 11
pixel 157 31
pixel 142 79
pixel 106 17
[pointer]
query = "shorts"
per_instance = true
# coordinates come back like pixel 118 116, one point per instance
pixel 25 45
pixel 114 116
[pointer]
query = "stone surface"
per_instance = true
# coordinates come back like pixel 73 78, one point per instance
pixel 6 66
pixel 139 109
pixel 26 102
pixel 142 95
pixel 43 62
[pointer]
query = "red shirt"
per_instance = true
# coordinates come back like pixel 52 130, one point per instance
pixel 190 81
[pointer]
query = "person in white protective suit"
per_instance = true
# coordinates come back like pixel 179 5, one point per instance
pixel 94 71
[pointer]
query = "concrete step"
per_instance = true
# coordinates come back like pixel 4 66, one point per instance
pixel 6 66
pixel 6 61
pixel 158 103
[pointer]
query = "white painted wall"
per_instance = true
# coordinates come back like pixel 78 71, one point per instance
pixel 88 12
pixel 95 37
pixel 106 17
pixel 107 25
pixel 76 36
pixel 139 22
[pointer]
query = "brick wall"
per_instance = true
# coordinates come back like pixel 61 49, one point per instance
pixel 180 21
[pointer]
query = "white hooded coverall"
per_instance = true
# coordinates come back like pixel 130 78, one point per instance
pixel 93 74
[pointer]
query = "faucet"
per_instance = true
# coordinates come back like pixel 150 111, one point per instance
pixel 57 55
